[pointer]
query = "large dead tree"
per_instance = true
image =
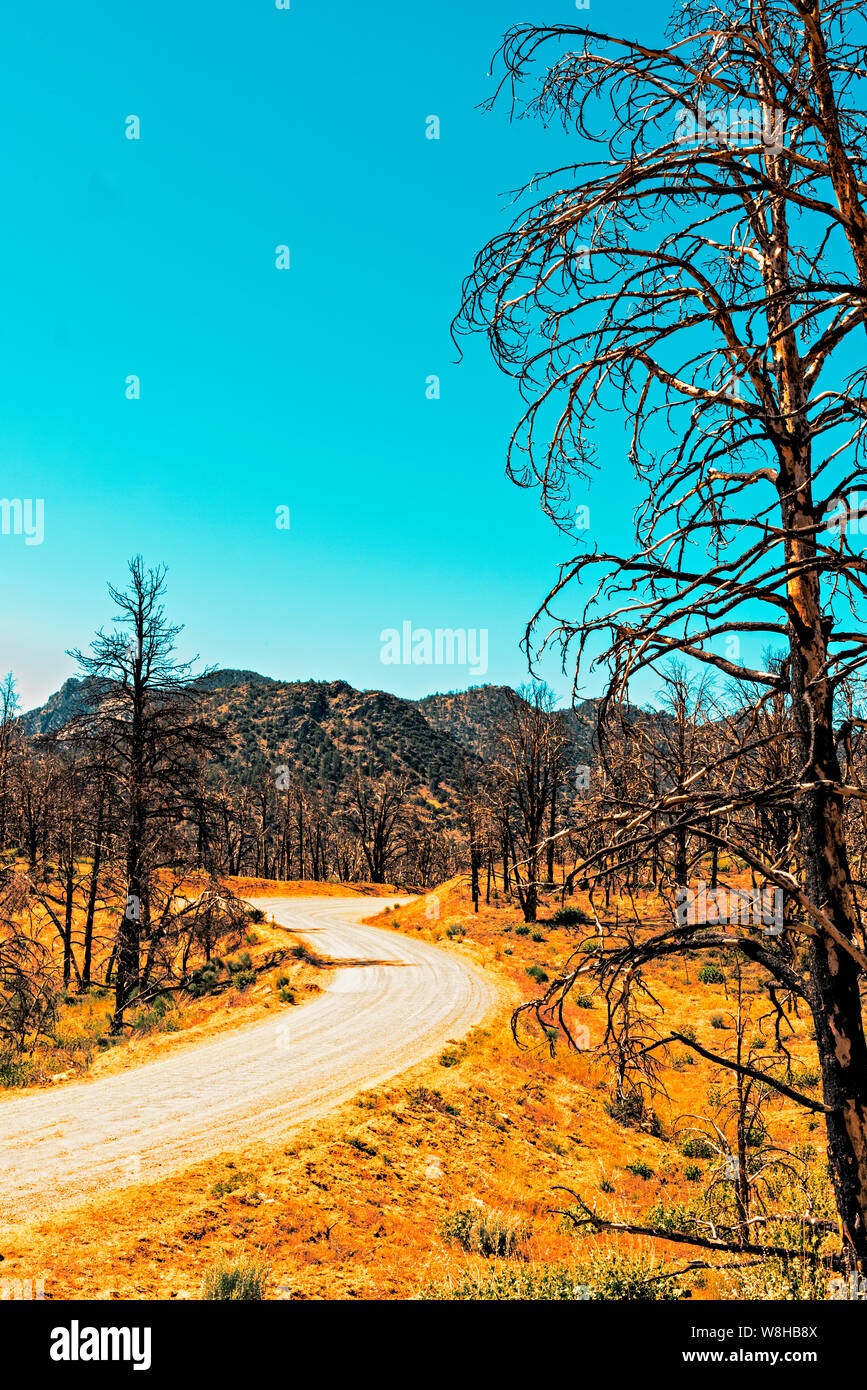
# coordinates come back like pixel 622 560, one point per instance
pixel 704 269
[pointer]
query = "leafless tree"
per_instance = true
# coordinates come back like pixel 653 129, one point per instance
pixel 142 708
pixel 706 274
pixel 374 814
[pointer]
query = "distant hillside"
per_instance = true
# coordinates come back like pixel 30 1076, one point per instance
pixel 320 730
pixel 65 704
pixel 327 729
pixel 324 730
pixel 472 717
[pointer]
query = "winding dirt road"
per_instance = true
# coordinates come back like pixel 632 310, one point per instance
pixel 394 1006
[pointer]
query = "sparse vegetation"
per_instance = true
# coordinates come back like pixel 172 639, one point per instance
pixel 485 1232
pixel 239 1280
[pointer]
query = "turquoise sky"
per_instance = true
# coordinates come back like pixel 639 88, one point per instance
pixel 263 388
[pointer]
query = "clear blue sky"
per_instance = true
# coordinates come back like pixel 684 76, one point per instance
pixel 260 387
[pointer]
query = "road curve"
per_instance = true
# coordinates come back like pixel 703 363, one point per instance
pixel 397 1004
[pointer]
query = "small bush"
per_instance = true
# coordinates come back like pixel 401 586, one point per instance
pixel 522 931
pixel 205 980
pixel 244 978
pixel 695 1146
pixel 641 1170
pixel 630 1110
pixel 13 1073
pixel 424 1095
pixel 692 1172
pixel 537 973
pixel 231 1184
pixel 717 1021
pixel 456 930
pixel 606 1274
pixel 711 975
pixel 449 1058
pixel 241 1280
pixel 361 1146
pixel 240 963
pixel 798 1280
pixel 571 917
pixel 484 1232
pixel 286 996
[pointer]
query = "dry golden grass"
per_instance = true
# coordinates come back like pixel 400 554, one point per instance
pixel 81 1041
pixel 298 888
pixel 353 1206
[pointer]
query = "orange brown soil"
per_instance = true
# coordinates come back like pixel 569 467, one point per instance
pixel 352 1206
pixel 298 888
pixel 82 1046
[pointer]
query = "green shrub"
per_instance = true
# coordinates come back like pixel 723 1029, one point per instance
pixel 204 980
pixel 606 1274
pixel 240 963
pixel 286 996
pixel 695 1146
pixel 717 1021
pixel 692 1172
pixel 641 1170
pixel 522 931
pixel 155 1017
pixel 231 1184
pixel 791 1280
pixel 484 1232
pixel 244 978
pixel 676 1217
pixel 361 1145
pixel 571 917
pixel 537 973
pixel 13 1073
pixel 242 1280
pixel 711 975
pixel 456 930
pixel 449 1058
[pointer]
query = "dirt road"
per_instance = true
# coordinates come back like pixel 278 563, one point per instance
pixel 397 1004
